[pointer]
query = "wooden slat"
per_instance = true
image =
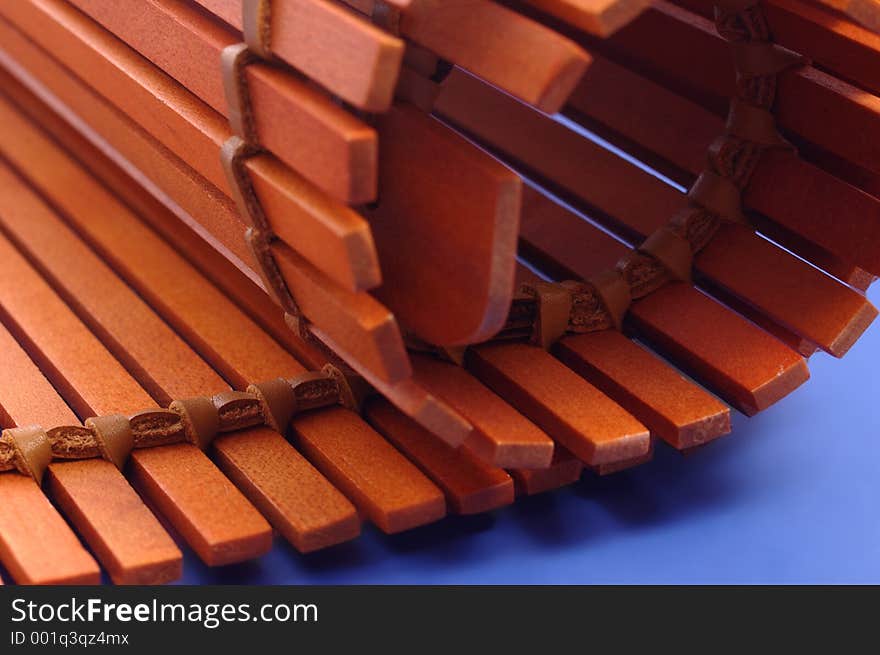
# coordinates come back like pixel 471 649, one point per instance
pixel 502 436
pixel 299 502
pixel 88 377
pixel 445 228
pixel 866 12
pixel 272 489
pixel 360 62
pixel 216 520
pixel 576 414
pixel 300 125
pixel 333 237
pixel 154 354
pixel 673 134
pixel 382 483
pixel 508 50
pixel 233 344
pixel 822 109
pixel 565 469
pixel 94 496
pixel 36 545
pixel 179 478
pixel 674 409
pixel 470 485
pixel 125 536
pixel 678 411
pixel 406 395
pixel 599 17
pixel 741 363
pixel 636 203
pixel 844 48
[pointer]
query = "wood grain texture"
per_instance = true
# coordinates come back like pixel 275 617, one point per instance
pixel 88 377
pixel 36 545
pixel 330 235
pixel 386 488
pixel 674 409
pixel 502 436
pixel 94 496
pixel 634 203
pixel 148 348
pixel 362 346
pixel 274 489
pixel 299 502
pixel 572 411
pixel 470 485
pixel 360 63
pixel 298 123
pixel 94 383
pixel 124 535
pixel 445 228
pixel 214 517
pixel 406 394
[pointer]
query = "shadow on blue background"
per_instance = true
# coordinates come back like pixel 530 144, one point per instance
pixel 792 496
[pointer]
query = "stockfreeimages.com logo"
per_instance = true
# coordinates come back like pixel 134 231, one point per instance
pixel 208 615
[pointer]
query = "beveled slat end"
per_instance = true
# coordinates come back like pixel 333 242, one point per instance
pixel 511 455
pixel 772 391
pixel 859 322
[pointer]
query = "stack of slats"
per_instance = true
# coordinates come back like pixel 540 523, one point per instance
pixel 424 166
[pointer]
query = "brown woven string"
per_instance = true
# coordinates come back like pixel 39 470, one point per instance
pixel 194 420
pixel 601 302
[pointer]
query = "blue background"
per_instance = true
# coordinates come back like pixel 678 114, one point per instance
pixel 791 496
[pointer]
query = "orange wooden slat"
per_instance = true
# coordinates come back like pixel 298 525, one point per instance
pixel 359 62
pixel 299 502
pixel 300 125
pixel 865 12
pixel 674 135
pixel 332 236
pixel 125 536
pixel 242 456
pixel 407 395
pixel 502 436
pixel 508 50
pixel 71 355
pixel 445 228
pixel 674 409
pixel 387 489
pixel 565 469
pixel 576 414
pixel 844 48
pixel 599 17
pixel 149 349
pixel 470 485
pixel 824 110
pixel 636 203
pixel 94 495
pixel 743 364
pixel 36 545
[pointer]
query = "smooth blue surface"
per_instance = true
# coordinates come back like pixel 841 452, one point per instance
pixel 792 496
